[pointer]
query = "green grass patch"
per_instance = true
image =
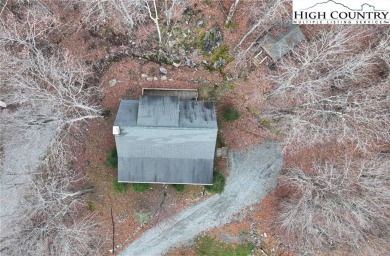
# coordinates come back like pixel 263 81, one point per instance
pixel 218 184
pixel 266 123
pixel 140 187
pixel 91 206
pixel 206 246
pixel 119 187
pixel 208 66
pixel 230 25
pixel 277 132
pixel 178 187
pixel 230 114
pixel 112 158
pixel 220 52
pixel 132 74
pixel 202 35
pixel 142 216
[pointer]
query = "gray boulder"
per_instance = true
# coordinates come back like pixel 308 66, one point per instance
pixel 219 63
pixel 163 71
pixel 190 63
pixel 212 39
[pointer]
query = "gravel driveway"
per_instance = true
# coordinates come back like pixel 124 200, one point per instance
pixel 21 157
pixel 252 175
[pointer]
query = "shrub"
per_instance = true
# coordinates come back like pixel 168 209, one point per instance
pixel 230 25
pixel 91 206
pixel 207 246
pixel 178 187
pixel 106 113
pixel 266 123
pixel 112 158
pixel 119 187
pixel 230 114
pixel 140 187
pixel 142 217
pixel 220 52
pixel 218 183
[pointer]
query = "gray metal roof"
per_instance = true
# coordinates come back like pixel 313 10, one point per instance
pixel 158 111
pixel 277 47
pixel 165 170
pixel 127 113
pixel 163 152
pixel 197 114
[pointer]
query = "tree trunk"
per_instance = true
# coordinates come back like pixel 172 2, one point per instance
pixel 232 10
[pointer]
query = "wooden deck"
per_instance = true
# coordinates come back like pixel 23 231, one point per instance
pixel 259 58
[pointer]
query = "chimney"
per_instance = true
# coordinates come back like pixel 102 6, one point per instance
pixel 116 130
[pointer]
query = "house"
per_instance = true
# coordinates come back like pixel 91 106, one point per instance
pixel 164 139
pixel 278 43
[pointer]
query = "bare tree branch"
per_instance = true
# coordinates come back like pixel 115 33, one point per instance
pixel 232 10
pixel 119 12
pixel 327 90
pixel 338 205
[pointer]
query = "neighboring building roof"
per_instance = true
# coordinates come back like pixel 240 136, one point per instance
pixel 277 46
pixel 164 140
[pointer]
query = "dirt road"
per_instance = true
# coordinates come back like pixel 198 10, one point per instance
pixel 252 174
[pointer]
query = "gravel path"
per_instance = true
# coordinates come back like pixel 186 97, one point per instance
pixel 21 157
pixel 252 175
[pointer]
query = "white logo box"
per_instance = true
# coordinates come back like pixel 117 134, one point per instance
pixel 341 12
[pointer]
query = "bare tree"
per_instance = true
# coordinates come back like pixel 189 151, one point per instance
pixel 127 13
pixel 326 90
pixel 48 220
pixel 43 88
pixel 327 59
pixel 49 90
pixel 264 14
pixel 334 88
pixel 36 76
pixel 173 10
pixel 360 117
pixel 338 205
pixel 153 15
